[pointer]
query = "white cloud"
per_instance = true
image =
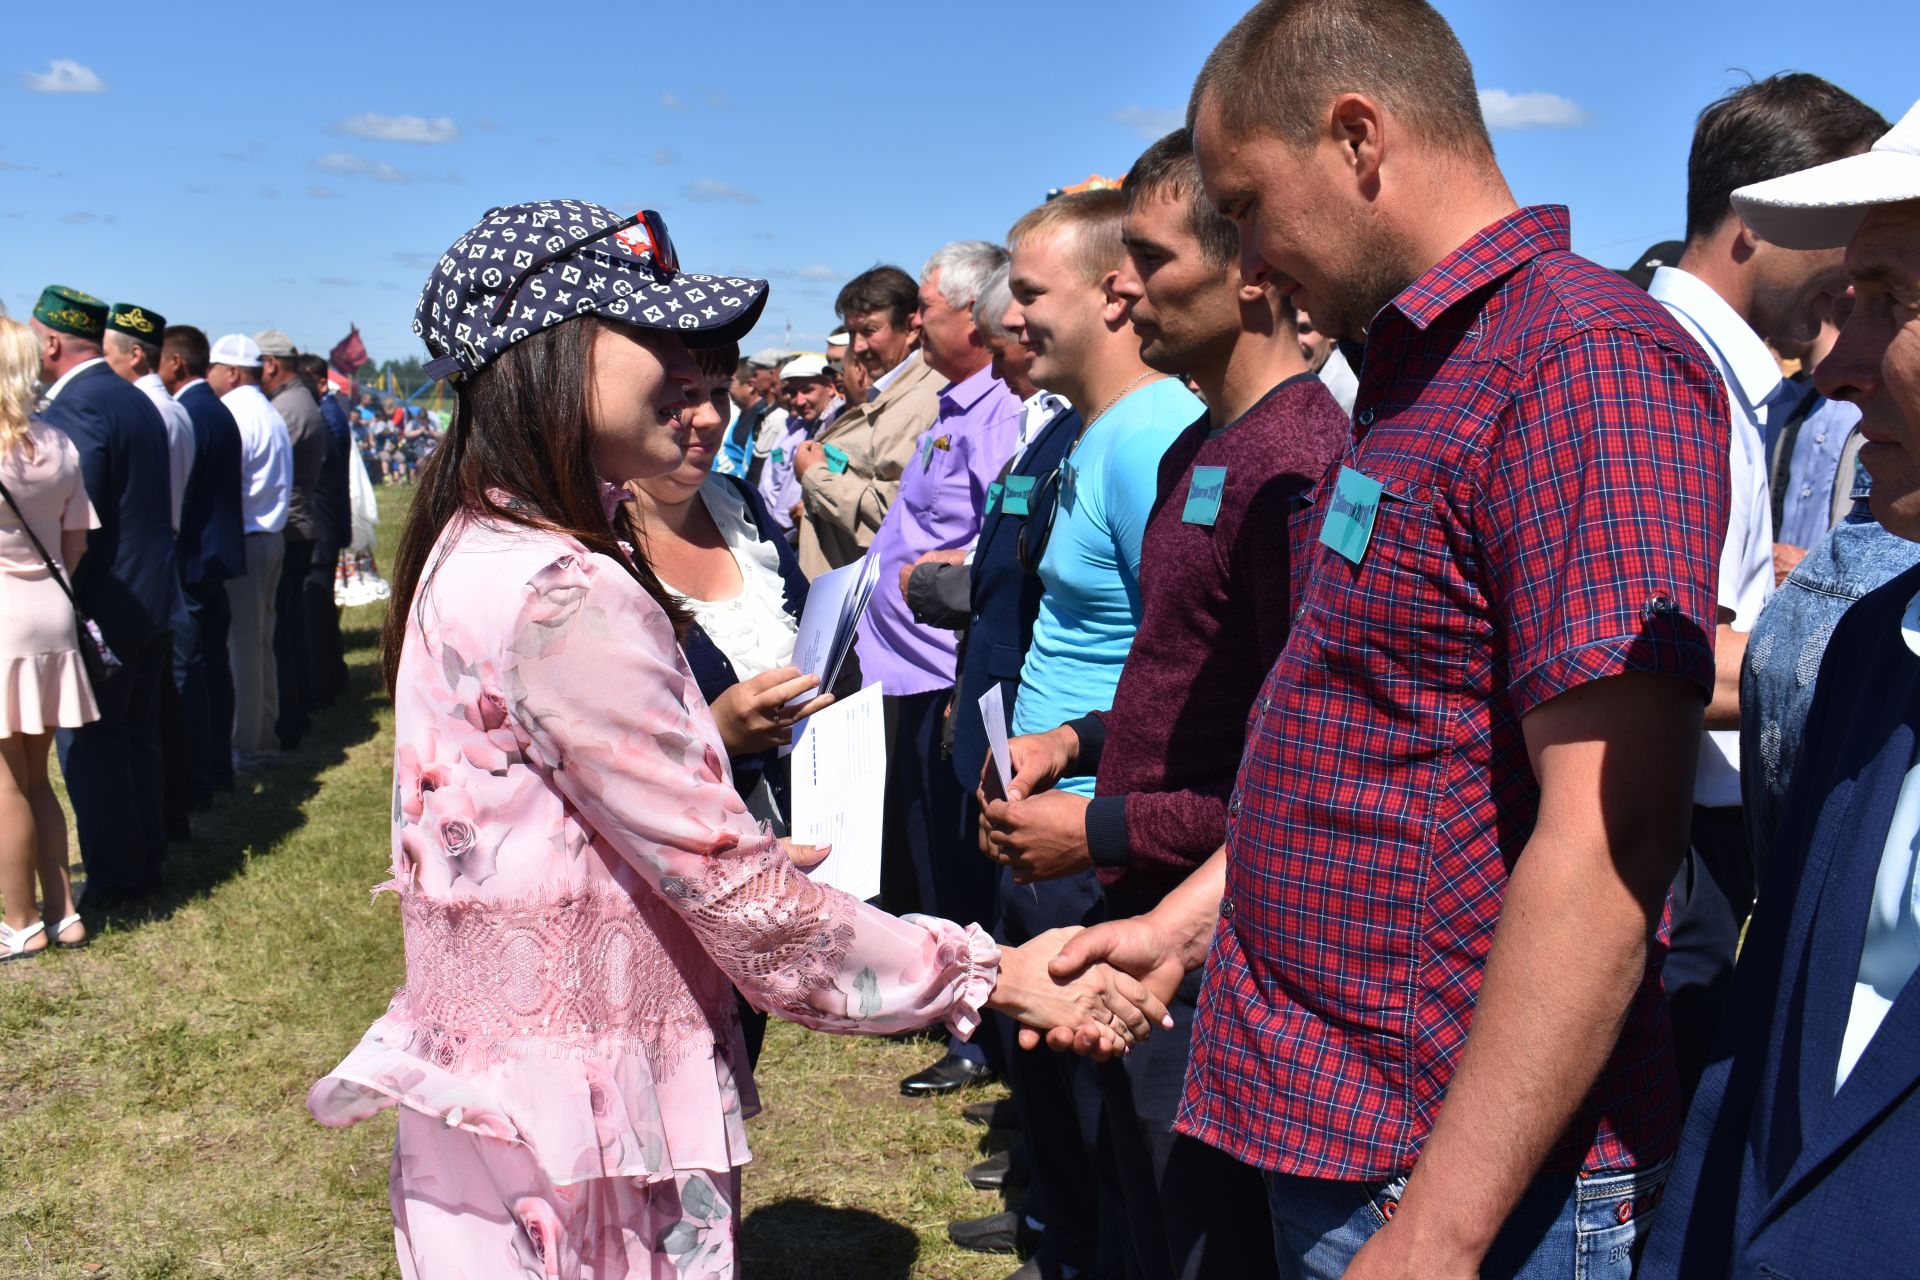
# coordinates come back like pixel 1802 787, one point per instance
pixel 671 101
pixel 666 155
pixel 345 162
pixel 706 190
pixel 63 75
pixel 1149 123
pixel 816 272
pixel 1505 110
pixel 400 128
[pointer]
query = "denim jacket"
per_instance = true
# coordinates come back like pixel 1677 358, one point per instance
pixel 1784 652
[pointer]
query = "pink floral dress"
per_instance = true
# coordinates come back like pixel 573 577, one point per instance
pixel 579 881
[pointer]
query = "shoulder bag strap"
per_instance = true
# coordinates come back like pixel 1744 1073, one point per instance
pixel 34 538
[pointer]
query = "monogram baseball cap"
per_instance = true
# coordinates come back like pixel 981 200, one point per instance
pixel 527 267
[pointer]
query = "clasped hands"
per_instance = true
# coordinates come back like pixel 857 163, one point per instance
pixel 1095 1009
pixel 1037 831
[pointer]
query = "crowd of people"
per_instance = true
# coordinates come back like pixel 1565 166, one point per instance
pixel 186 501
pixel 1462 814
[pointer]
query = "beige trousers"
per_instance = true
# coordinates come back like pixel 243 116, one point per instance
pixel 256 686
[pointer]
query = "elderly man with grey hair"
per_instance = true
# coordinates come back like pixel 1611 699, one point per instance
pixel 131 346
pixel 942 499
pixel 1800 1140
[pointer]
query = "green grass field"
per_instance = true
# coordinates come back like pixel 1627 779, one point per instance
pixel 152 1088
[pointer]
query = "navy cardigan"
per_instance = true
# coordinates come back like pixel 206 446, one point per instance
pixel 714 672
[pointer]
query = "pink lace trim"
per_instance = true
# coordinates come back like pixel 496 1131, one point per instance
pixel 574 971
pixel 779 935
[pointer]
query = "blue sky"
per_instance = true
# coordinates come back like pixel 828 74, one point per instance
pixel 268 170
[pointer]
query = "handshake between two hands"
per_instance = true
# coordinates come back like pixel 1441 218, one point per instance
pixel 1097 991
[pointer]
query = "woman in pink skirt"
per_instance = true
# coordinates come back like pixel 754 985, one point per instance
pixel 43 685
pixel 579 880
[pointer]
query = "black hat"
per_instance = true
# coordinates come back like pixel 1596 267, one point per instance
pixel 527 267
pixel 137 322
pixel 1664 254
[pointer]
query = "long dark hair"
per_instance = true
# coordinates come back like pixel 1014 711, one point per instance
pixel 519 451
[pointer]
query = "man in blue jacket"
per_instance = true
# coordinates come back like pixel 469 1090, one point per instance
pixel 129 584
pixel 1797 1151
pixel 212 550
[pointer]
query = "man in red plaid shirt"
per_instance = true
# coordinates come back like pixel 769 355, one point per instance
pixel 1431 1009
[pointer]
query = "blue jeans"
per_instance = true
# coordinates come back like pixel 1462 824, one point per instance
pixel 1589 1230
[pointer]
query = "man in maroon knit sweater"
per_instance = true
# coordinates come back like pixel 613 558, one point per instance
pixel 1217 598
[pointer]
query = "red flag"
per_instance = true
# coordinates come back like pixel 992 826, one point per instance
pixel 349 353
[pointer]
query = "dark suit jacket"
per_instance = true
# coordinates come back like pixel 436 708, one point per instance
pixel 128 582
pixel 1006 599
pixel 714 673
pixel 1778 1175
pixel 336 487
pixel 213 545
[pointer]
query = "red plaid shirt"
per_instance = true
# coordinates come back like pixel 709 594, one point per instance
pixel 1553 450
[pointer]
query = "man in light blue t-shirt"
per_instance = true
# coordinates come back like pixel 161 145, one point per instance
pixel 1066 255
pixel 1084 349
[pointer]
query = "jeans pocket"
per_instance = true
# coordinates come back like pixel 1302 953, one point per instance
pixel 1611 1213
pixel 1384 1199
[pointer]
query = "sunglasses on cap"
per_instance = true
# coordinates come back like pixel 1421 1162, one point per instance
pixel 644 232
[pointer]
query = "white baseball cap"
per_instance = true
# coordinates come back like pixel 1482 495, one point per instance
pixel 1821 207
pixel 805 366
pixel 236 349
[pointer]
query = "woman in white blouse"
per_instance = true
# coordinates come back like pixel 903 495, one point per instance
pixel 713 544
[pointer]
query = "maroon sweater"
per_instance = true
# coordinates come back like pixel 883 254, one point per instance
pixel 1216 603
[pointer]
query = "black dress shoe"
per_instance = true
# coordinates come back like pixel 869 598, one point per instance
pixel 945 1076
pixel 1000 1113
pixel 996 1233
pixel 991 1174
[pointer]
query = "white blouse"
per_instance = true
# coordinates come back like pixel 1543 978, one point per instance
pixel 753 629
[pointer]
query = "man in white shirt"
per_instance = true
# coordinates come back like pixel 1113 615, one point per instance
pixel 266 482
pixel 1798 1150
pixel 1733 293
pixel 132 349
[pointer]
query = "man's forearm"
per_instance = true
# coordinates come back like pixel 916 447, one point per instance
pixel 1729 655
pixel 1186 918
pixel 1568 955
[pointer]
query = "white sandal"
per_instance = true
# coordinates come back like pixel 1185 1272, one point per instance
pixel 13 942
pixel 53 934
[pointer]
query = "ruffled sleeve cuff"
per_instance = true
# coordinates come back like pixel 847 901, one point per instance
pixel 975 971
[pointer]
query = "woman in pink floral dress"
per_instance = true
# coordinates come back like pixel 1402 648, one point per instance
pixel 578 879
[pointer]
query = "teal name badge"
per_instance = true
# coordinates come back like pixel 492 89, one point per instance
pixel 836 458
pixel 994 491
pixel 1349 523
pixel 1204 491
pixel 779 456
pixel 1019 496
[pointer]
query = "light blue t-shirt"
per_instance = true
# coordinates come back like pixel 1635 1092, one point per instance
pixel 1091 568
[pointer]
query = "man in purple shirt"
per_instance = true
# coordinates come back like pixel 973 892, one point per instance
pixel 942 499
